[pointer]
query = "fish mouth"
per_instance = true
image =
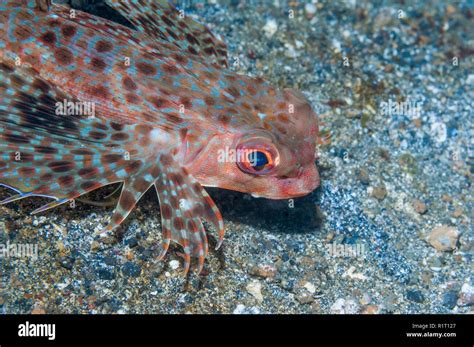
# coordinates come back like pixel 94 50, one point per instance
pixel 288 188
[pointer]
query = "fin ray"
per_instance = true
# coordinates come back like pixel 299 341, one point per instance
pixel 183 203
pixel 57 158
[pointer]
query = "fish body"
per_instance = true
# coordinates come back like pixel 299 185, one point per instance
pixel 167 113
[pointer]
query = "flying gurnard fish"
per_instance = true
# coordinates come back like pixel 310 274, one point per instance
pixel 166 106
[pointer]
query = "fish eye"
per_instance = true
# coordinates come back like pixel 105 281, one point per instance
pixel 257 158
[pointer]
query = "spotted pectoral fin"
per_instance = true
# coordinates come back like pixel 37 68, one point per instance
pixel 184 204
pixel 45 153
pixel 133 189
pixel 160 20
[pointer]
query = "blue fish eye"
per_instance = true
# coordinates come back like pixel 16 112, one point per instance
pixel 258 160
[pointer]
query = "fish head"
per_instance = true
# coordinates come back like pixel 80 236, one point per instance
pixel 274 159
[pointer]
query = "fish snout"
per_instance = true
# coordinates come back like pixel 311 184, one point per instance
pixel 304 183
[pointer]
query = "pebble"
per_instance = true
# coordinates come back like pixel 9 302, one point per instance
pixel 446 198
pixel 67 262
pixel 439 132
pixel 174 264
pixel 450 298
pixel 371 309
pixel 310 9
pixel 415 296
pixel 336 45
pixel 310 287
pixel 130 269
pixel 379 192
pixel 343 306
pixel 38 310
pixel 354 275
pixel 436 263
pixel 95 246
pixel 443 238
pixel 290 51
pixel 457 213
pixel 110 260
pixel 330 236
pixel 132 242
pixel 419 206
pixel 304 298
pixel 255 289
pixel 270 28
pixel 466 295
pixel 263 271
pixel 105 274
pixel 366 299
pixel 129 255
pixel 315 307
pixel 363 176
pixel 61 248
pixel 242 309
pixel 470 79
